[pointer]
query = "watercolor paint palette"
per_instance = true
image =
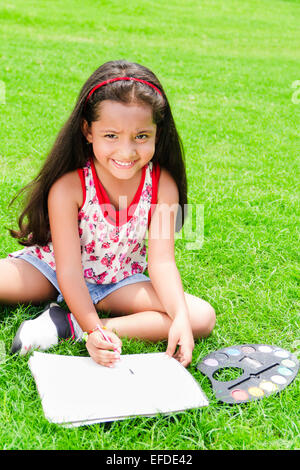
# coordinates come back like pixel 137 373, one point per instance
pixel 264 369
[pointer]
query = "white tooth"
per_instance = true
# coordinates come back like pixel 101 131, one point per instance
pixel 123 164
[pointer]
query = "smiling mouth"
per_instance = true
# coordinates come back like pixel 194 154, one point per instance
pixel 120 164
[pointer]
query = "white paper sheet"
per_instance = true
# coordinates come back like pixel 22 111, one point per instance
pixel 75 390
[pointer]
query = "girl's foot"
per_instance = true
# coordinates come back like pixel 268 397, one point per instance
pixel 46 330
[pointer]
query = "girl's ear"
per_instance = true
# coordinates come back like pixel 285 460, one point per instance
pixel 85 128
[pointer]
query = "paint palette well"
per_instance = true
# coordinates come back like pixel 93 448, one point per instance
pixel 264 370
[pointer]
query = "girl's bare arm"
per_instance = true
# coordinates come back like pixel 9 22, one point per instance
pixel 163 271
pixel 63 206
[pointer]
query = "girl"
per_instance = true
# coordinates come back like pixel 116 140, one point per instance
pixel 114 173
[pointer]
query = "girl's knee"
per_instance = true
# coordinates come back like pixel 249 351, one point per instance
pixel 210 320
pixel 203 319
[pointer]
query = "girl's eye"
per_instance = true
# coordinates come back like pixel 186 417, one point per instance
pixel 139 137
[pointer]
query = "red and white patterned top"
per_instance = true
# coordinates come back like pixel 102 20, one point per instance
pixel 112 242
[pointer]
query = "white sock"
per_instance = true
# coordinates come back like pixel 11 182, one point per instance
pixel 46 330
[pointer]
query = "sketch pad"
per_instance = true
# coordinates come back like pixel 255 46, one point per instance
pixel 76 391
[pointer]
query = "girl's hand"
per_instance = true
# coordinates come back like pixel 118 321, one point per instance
pixel 102 351
pixel 180 334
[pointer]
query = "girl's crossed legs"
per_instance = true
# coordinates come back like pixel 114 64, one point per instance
pixel 135 309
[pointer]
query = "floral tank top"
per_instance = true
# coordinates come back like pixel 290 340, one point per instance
pixel 112 243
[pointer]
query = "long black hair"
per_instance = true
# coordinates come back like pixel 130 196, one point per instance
pixel 70 151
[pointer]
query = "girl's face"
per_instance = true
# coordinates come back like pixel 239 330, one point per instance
pixel 123 138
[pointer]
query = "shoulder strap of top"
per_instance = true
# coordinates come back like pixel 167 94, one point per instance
pixel 80 172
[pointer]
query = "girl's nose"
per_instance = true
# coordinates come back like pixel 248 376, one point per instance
pixel 127 151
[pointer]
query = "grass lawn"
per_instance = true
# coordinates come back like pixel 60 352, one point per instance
pixel 228 68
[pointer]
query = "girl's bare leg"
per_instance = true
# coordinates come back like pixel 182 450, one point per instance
pixel 21 282
pixel 137 312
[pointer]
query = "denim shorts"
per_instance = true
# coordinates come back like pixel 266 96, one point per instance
pixel 97 291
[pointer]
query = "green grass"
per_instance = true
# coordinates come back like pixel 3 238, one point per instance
pixel 228 68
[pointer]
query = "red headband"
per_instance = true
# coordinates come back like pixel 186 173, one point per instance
pixel 118 79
